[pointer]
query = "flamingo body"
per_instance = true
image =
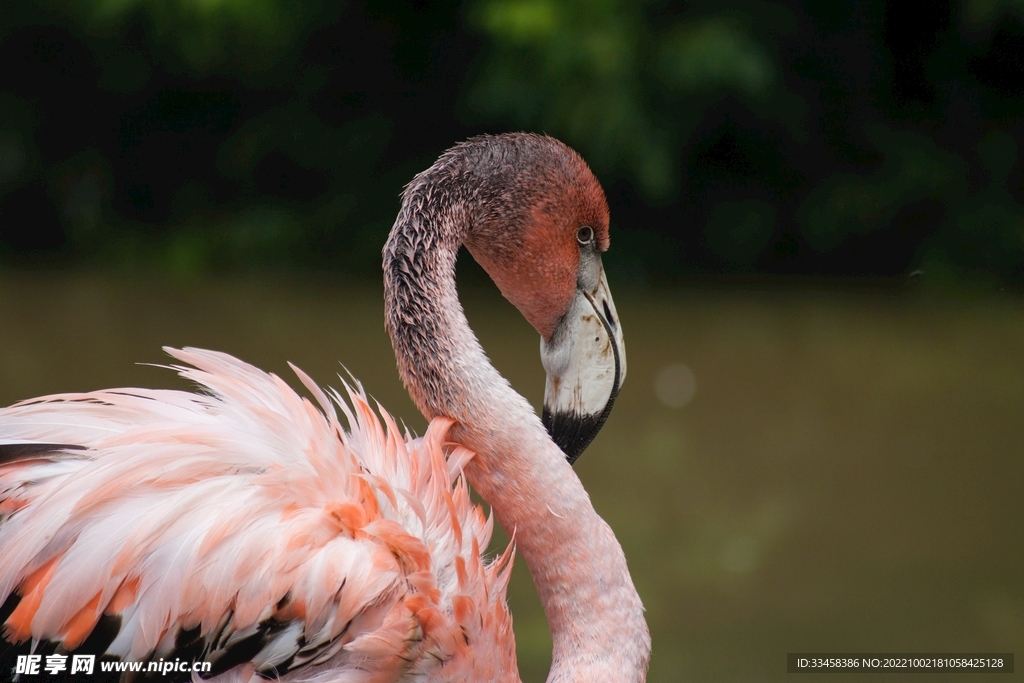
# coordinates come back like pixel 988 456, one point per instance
pixel 245 526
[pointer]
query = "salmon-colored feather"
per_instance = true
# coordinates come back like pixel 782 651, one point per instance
pixel 228 509
pixel 81 625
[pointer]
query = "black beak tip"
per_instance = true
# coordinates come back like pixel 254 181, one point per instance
pixel 571 431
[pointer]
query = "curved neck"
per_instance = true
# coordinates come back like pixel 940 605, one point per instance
pixel 578 567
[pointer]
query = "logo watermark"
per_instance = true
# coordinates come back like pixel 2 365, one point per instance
pixel 30 666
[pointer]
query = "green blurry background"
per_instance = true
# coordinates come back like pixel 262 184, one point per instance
pixel 817 255
pixel 825 137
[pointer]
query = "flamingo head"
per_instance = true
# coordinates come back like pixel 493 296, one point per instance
pixel 539 235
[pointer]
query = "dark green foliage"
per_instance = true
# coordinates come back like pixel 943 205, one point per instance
pixel 824 138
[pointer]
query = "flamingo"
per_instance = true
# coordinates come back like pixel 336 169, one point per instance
pixel 248 529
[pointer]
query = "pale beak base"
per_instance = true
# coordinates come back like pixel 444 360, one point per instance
pixel 585 361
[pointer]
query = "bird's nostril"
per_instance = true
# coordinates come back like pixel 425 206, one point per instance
pixel 608 313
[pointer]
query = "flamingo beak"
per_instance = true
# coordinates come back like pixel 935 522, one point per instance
pixel 585 361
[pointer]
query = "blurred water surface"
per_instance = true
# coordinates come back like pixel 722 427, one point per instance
pixel 787 471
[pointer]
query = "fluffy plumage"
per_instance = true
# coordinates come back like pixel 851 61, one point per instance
pixel 246 527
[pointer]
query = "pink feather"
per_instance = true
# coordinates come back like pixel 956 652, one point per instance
pixel 246 503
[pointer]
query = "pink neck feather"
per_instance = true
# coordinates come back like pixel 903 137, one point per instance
pixel 578 567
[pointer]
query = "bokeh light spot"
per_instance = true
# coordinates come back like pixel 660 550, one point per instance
pixel 675 385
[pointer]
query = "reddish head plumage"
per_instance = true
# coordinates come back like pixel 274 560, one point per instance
pixel 526 238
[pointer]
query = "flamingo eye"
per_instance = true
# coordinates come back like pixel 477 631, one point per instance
pixel 585 235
